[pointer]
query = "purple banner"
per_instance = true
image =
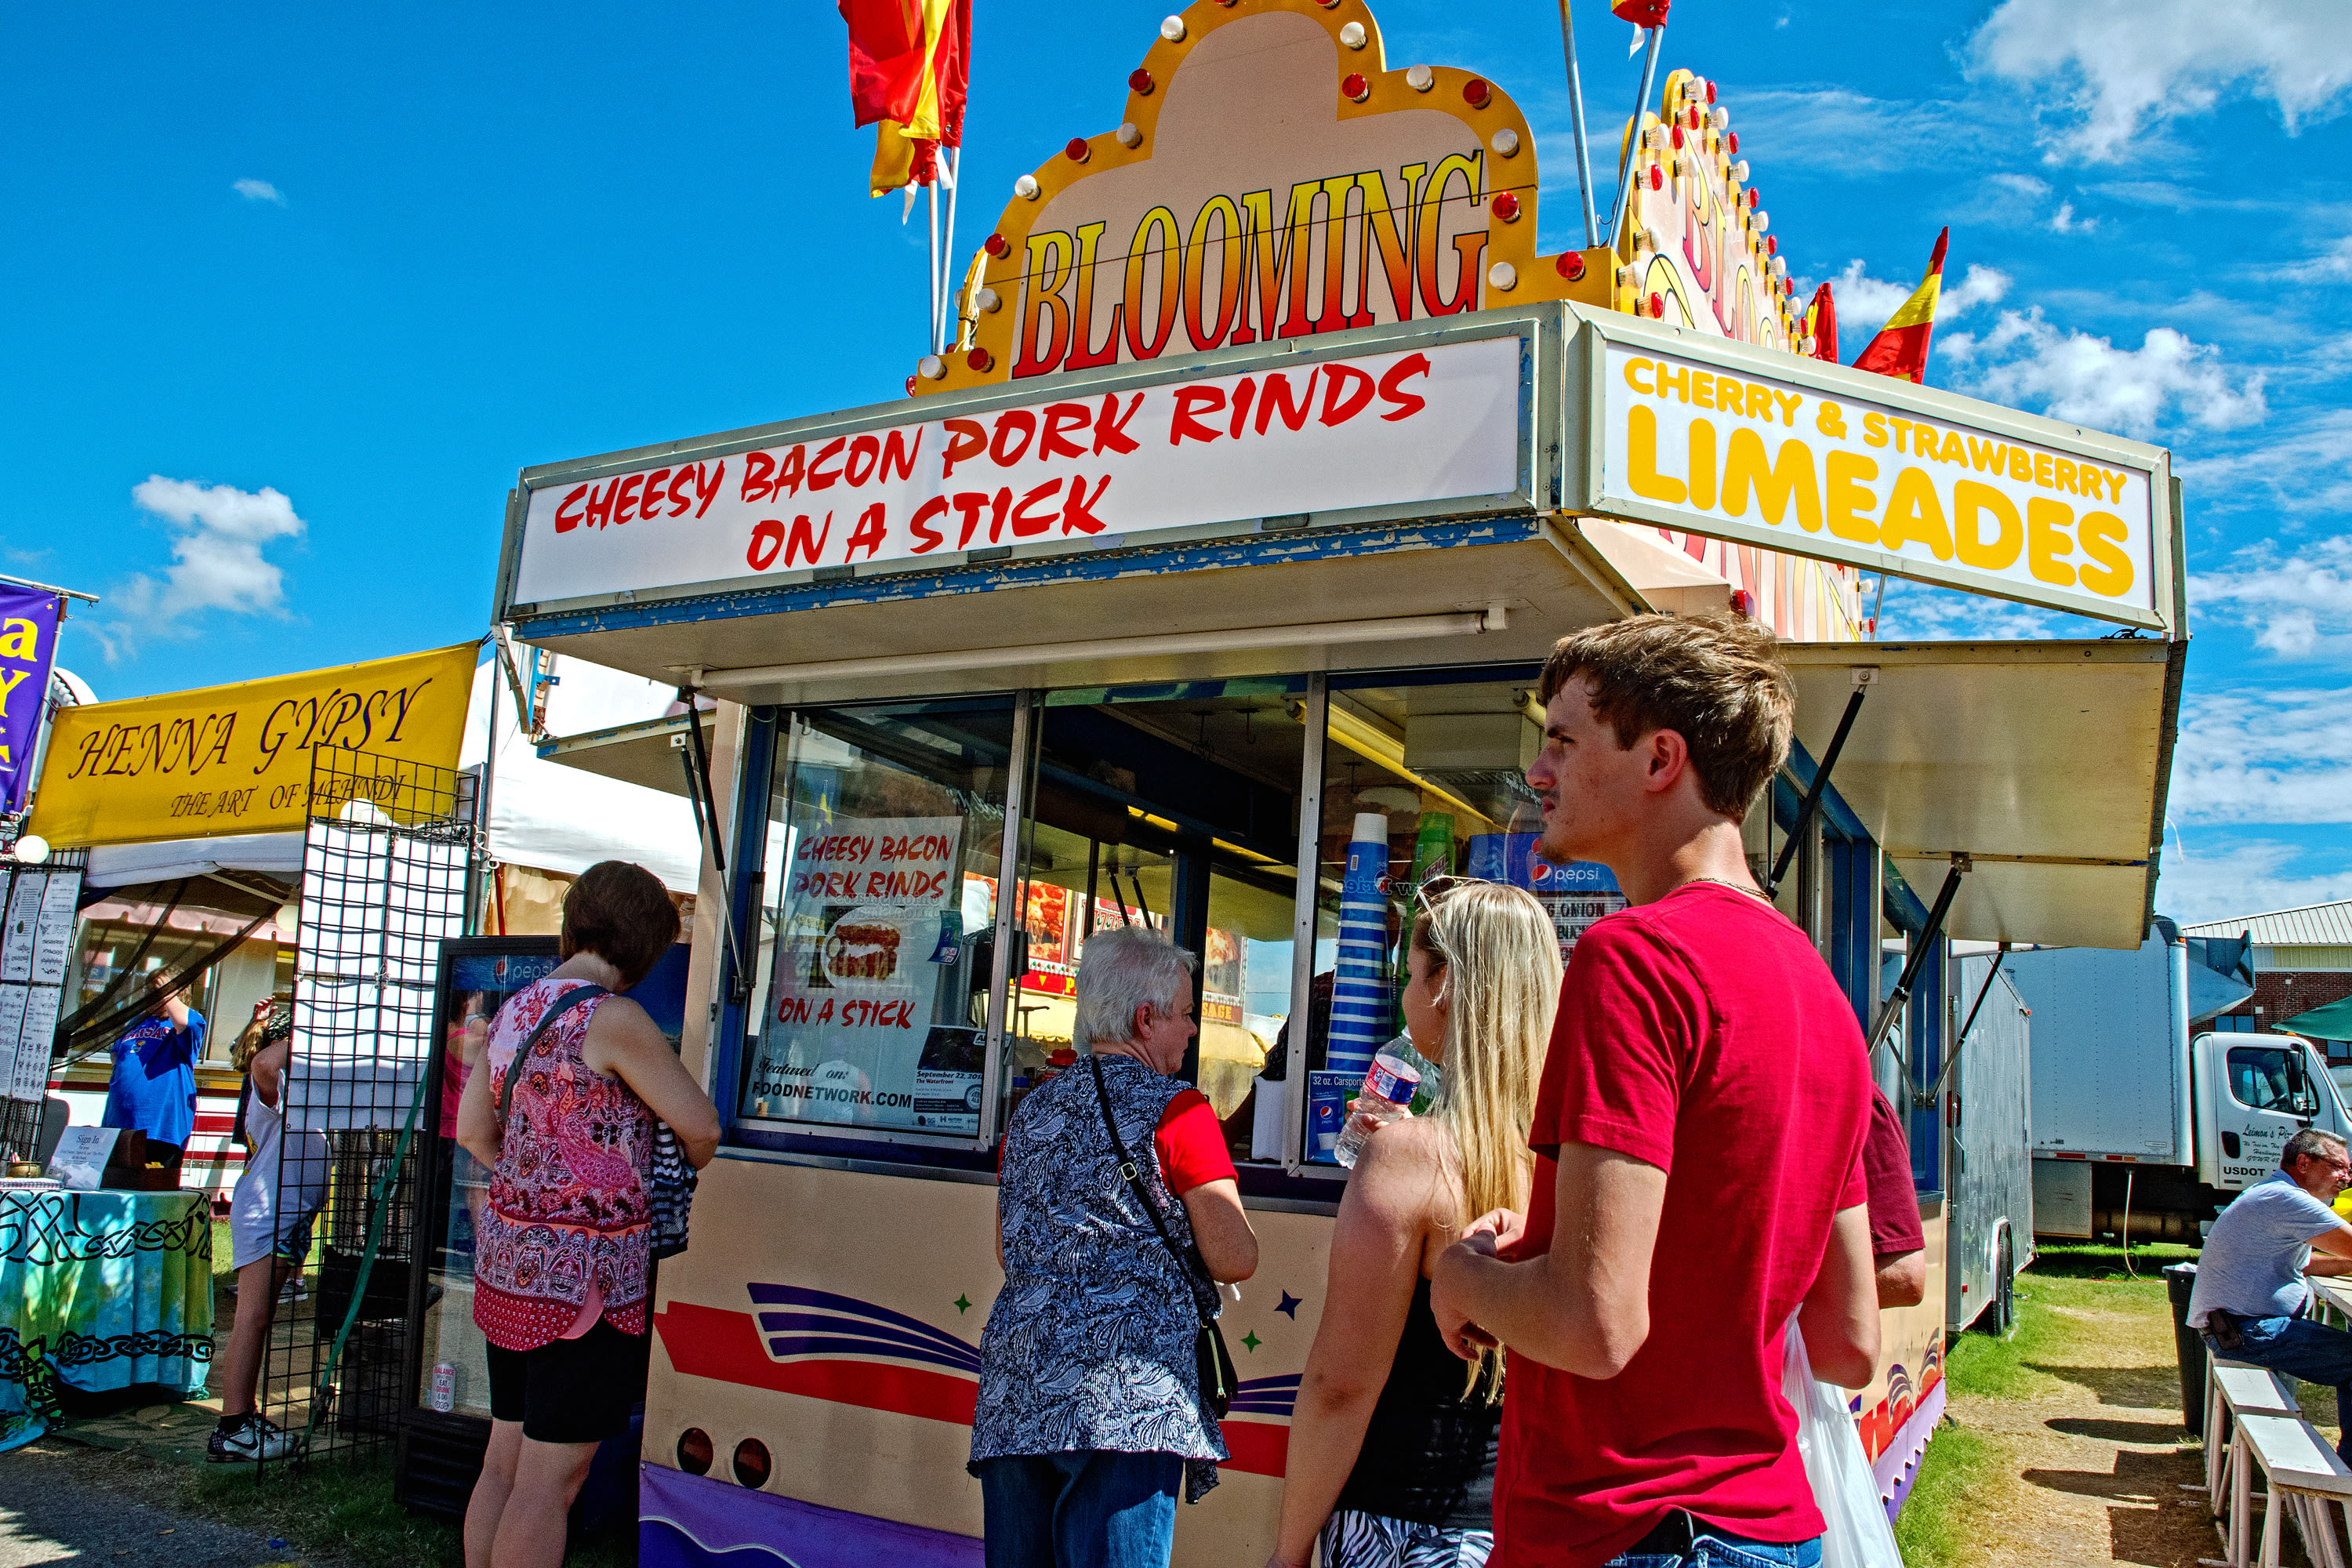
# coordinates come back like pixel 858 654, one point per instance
pixel 28 646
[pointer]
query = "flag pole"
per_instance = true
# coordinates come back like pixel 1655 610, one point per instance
pixel 1576 104
pixel 1633 138
pixel 953 158
pixel 932 214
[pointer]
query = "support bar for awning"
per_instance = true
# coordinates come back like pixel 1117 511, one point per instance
pixel 1924 939
pixel 1863 680
pixel 699 794
pixel 1921 1102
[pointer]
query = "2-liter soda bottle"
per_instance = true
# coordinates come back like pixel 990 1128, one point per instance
pixel 1387 1096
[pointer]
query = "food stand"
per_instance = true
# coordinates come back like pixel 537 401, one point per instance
pixel 1239 520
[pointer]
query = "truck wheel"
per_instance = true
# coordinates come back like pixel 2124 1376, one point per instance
pixel 2004 1298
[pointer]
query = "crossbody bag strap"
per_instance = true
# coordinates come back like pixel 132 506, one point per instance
pixel 1134 1179
pixel 563 1004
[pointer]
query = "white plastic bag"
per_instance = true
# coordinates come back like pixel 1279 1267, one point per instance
pixel 1858 1534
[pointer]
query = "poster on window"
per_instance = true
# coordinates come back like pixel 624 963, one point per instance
pixel 868 1023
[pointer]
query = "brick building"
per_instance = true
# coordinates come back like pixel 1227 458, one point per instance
pixel 2303 959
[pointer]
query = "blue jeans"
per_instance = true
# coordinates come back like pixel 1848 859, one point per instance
pixel 1713 1548
pixel 1083 1509
pixel 2301 1349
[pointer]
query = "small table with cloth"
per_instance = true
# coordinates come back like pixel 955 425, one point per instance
pixel 102 1291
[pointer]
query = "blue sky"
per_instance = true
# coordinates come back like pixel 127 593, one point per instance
pixel 294 290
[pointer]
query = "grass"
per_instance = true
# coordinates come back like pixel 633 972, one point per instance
pixel 1960 1465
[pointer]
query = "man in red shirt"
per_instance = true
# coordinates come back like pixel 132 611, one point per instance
pixel 1698 1136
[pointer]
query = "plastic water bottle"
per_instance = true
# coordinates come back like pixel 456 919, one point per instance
pixel 1387 1096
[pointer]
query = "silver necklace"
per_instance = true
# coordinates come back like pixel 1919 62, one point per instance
pixel 1725 882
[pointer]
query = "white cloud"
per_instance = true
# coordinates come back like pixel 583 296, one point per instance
pixel 258 191
pixel 2334 263
pixel 1864 303
pixel 2299 604
pixel 2020 184
pixel 2261 756
pixel 2088 381
pixel 1920 612
pixel 2125 66
pixel 1838 128
pixel 2241 879
pixel 2064 220
pixel 219 532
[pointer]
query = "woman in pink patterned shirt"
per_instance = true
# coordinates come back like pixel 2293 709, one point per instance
pixel 563 1244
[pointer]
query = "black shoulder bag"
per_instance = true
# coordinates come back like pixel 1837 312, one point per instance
pixel 562 1005
pixel 1212 1359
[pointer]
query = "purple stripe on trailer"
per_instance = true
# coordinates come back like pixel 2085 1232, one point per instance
pixel 696 1521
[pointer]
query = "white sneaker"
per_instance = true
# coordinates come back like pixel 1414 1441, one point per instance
pixel 257 1438
pixel 294 1290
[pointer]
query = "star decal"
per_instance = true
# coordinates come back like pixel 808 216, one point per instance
pixel 1251 1340
pixel 962 1304
pixel 1288 1306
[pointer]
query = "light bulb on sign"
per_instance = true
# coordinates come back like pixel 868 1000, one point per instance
pixel 32 849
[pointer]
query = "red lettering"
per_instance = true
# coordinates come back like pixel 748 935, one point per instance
pixel 681 497
pixel 718 477
pixel 965 439
pixel 791 472
pixel 801 539
pixel 868 447
pixel 968 504
pixel 868 532
pixel 628 498
pixel 600 504
pixel 1205 400
pixel 819 476
pixel 996 510
pixel 566 524
pixel 1078 511
pixel 1112 433
pixel 1339 405
pixel 1391 385
pixel 1061 416
pixel 900 455
pixel 757 468
pixel 1027 525
pixel 1011 420
pixel 1241 407
pixel 767 539
pixel 653 496
pixel 1277 397
pixel 926 538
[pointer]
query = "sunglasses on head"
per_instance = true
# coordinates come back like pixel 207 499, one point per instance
pixel 1435 890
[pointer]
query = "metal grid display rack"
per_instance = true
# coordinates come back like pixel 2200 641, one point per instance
pixel 37 908
pixel 386 860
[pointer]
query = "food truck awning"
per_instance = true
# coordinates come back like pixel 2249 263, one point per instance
pixel 644 753
pixel 2044 762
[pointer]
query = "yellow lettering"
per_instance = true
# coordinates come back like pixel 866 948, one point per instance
pixel 1986 455
pixel 1902 432
pixel 2110 572
pixel 1759 401
pixel 2020 465
pixel 2115 484
pixel 1953 451
pixel 20 639
pixel 1914 511
pixel 2046 522
pixel 2064 473
pixel 1702 462
pixel 1675 376
pixel 2042 474
pixel 1641 459
pixel 1729 391
pixel 1702 391
pixel 1849 499
pixel 1789 402
pixel 1633 364
pixel 1874 429
pixel 1971 499
pixel 9 679
pixel 1774 484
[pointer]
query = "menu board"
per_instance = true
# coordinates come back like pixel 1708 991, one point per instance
pixel 13 1007
pixel 53 935
pixel 863 1023
pixel 21 930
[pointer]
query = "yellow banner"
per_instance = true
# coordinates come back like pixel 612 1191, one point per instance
pixel 238 759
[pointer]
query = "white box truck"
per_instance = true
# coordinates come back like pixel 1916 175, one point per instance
pixel 2146 1122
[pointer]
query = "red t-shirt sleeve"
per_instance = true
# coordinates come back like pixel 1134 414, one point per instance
pixel 1884 1172
pixel 1631 1018
pixel 1191 1145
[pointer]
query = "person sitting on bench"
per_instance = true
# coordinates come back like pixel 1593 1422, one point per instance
pixel 2250 1297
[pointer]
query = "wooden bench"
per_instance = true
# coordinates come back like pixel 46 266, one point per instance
pixel 2234 1388
pixel 2303 1473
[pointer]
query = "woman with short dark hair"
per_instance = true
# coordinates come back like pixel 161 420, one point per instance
pixel 1090 1409
pixel 564 1249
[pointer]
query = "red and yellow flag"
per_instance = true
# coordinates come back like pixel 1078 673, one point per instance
pixel 909 67
pixel 1820 324
pixel 1900 349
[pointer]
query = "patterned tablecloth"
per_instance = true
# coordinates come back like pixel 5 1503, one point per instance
pixel 100 1291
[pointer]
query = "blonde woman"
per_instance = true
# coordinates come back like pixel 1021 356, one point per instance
pixel 1393 1444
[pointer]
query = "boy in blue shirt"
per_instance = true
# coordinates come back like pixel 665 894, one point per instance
pixel 154 1084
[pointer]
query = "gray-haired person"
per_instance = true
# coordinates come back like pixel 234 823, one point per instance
pixel 2249 1297
pixel 1090 1408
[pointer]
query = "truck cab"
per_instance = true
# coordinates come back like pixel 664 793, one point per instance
pixel 2254 1092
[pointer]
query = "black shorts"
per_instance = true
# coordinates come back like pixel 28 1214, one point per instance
pixel 573 1390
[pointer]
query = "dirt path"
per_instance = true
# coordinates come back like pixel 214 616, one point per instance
pixel 2092 1457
